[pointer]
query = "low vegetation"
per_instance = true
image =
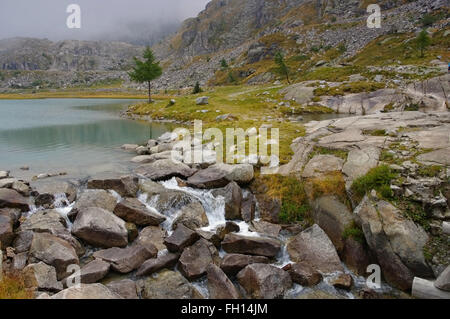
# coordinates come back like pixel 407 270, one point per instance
pixel 378 178
pixel 12 286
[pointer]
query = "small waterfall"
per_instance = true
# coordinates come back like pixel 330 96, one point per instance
pixel 63 207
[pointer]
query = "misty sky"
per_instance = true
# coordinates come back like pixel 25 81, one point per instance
pixel 101 19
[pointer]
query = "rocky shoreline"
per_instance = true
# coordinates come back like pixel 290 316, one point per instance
pixel 178 230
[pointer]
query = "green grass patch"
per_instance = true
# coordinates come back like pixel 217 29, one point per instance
pixel 378 178
pixel 355 232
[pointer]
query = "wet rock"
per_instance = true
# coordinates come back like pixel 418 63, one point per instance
pixel 133 211
pixel 126 186
pixel 195 259
pixel 169 201
pixel 396 241
pixel 165 169
pixel 12 199
pixel 86 291
pixel 181 238
pixel 125 260
pixel 152 235
pixel 151 188
pixel 6 231
pixel 125 288
pixel 265 228
pixel 46 191
pixel 322 164
pixel 248 207
pixel 232 194
pixel 132 231
pixel 192 216
pixel 333 217
pixel 219 285
pixel 234 243
pixel 233 263
pixel 304 274
pixel 356 256
pixel 150 266
pixel 443 281
pixel 94 271
pixel 4 174
pixel 147 159
pixel 53 251
pixel 262 281
pixel 210 236
pixel 313 247
pixel 41 276
pixel 343 281
pixel 229 227
pixel 169 284
pixel 99 227
pixel 93 198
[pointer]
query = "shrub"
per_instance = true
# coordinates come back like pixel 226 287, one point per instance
pixel 197 89
pixel 377 178
pixel 223 63
pixel 355 232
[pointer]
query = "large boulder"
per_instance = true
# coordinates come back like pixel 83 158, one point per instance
pixel 231 264
pixel 168 201
pixel 169 284
pixel 87 291
pixel 53 251
pixel 396 241
pixel 322 164
pixel 133 211
pixel 265 228
pixel 219 175
pixel 181 238
pixel 41 276
pixel 126 186
pixel 333 217
pixel 232 195
pixel 152 235
pixel 125 288
pixel 248 207
pixel 263 281
pixel 313 247
pixel 94 271
pixel 46 191
pixel 164 169
pixel 93 198
pixel 443 281
pixel 12 199
pixel 125 260
pixel 6 230
pixel 150 266
pixel 192 216
pixel 100 227
pixel 195 259
pixel 234 243
pixel 359 162
pixel 304 274
pixel 219 285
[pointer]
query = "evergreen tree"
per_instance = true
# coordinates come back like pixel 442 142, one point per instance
pixel 146 71
pixel 422 41
pixel 223 63
pixel 283 69
pixel 197 88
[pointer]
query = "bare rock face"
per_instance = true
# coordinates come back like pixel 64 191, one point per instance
pixel 262 281
pixel 41 276
pixel 219 175
pixel 232 194
pixel 313 247
pixel 219 285
pixel 126 186
pixel 10 198
pixel 152 235
pixel 265 228
pixel 233 263
pixel 396 241
pixel 443 281
pixel 343 281
pixel 322 164
pixel 181 238
pixel 87 291
pixel 46 191
pixel 125 288
pixel 248 207
pixel 150 266
pixel 101 228
pixel 132 210
pixel 93 198
pixel 304 274
pixel 164 169
pixel 94 271
pixel 234 243
pixel 6 230
pixel 53 251
pixel 195 259
pixel 125 260
pixel 169 284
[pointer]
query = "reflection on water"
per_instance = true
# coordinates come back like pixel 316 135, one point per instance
pixel 80 136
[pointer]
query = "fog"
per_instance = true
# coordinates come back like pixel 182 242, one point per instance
pixel 137 21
